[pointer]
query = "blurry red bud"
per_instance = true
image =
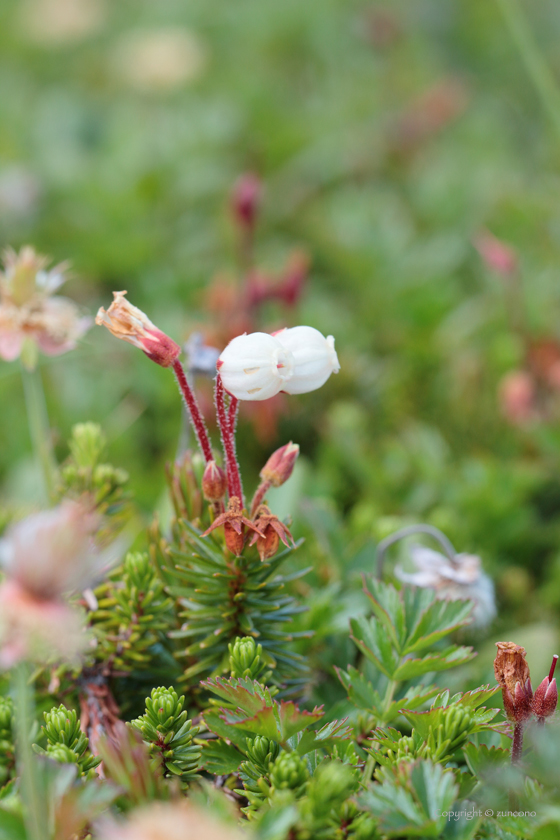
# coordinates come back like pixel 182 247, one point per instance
pixel 214 482
pixel 517 395
pixel 290 288
pixel 496 255
pixel 545 699
pixel 523 701
pixel 246 198
pixel 280 465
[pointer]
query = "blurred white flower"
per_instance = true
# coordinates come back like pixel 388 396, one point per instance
pixel 27 310
pixel 159 59
pixel 36 629
pixel 44 557
pixel 255 366
pixel 168 821
pixel 461 577
pixel 19 191
pixel 314 358
pixel 54 22
pixel 52 552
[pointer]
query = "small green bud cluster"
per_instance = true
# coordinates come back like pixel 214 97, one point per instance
pixel 262 752
pixel 131 613
pixel 449 735
pixel 245 660
pixel 84 472
pixel 7 752
pixel 169 734
pixel 66 742
pixel 393 748
pixel 326 809
pixel 289 772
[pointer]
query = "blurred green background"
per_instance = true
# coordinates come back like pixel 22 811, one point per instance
pixel 386 136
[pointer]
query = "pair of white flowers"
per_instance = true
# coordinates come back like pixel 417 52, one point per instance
pixel 257 366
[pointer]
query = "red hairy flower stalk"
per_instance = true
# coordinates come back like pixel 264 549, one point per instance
pixel 195 413
pixel 235 488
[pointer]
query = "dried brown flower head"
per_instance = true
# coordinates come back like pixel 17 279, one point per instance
pixel 512 673
pixel 510 665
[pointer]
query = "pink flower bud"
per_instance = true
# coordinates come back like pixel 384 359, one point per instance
pixel 255 366
pixel 496 255
pixel 214 482
pixel 314 358
pixel 518 395
pixel 280 465
pixel 129 323
pixel 246 199
pixel 545 699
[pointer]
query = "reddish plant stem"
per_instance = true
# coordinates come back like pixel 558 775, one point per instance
pixel 195 413
pixel 232 414
pixel 260 493
pixel 552 667
pixel 235 487
pixel 517 745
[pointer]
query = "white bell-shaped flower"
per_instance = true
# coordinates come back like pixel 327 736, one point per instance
pixel 255 366
pixel 314 358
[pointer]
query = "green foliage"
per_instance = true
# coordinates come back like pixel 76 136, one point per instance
pixel 127 762
pixel 404 624
pixel 170 735
pixel 222 598
pixel 439 733
pixel 85 472
pixel 7 751
pixel 413 801
pixel 132 613
pixel 325 812
pixel 262 754
pixel 67 744
pixel 251 710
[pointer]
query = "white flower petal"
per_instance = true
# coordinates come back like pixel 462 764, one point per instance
pixel 314 358
pixel 255 366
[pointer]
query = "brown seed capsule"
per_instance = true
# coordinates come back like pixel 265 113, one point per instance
pixel 235 526
pixel 214 482
pixel 271 532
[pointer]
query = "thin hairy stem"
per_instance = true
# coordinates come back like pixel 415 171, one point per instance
pixel 517 745
pixel 235 488
pixel 195 413
pixel 232 414
pixel 260 493
pixel 39 428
